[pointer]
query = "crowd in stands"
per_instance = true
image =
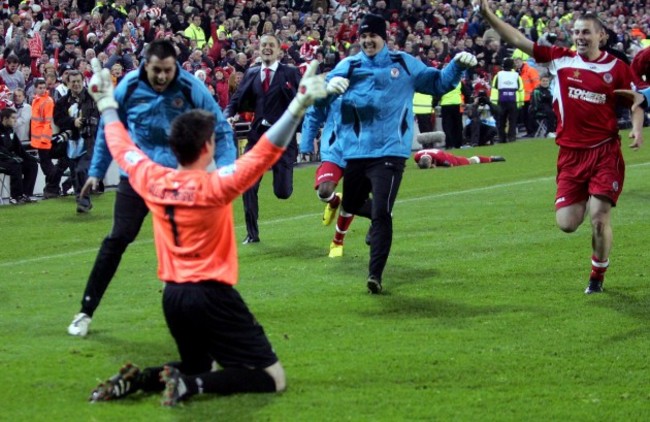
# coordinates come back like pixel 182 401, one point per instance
pixel 217 40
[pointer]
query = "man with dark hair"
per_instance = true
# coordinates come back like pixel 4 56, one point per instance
pixel 76 112
pixel 197 253
pixel 508 92
pixel 590 167
pixel 376 129
pixel 15 161
pixel 266 90
pixel 41 139
pixel 149 100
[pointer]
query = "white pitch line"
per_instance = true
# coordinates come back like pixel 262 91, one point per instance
pixel 300 217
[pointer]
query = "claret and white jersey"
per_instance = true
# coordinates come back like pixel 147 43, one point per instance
pixel 583 95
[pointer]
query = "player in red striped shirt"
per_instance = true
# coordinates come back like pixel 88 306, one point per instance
pixel 590 167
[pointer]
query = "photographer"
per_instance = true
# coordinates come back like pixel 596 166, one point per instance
pixel 482 114
pixel 76 112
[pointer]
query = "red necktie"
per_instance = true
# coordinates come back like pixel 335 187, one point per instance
pixel 267 79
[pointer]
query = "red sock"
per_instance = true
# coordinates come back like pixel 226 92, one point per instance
pixel 483 160
pixel 598 268
pixel 334 202
pixel 342 226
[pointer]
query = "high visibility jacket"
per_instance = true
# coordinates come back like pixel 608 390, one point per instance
pixel 422 103
pixel 197 34
pixel 453 97
pixel 519 54
pixel 530 77
pixel 507 87
pixel 41 123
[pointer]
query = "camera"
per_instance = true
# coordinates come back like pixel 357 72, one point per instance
pixel 483 98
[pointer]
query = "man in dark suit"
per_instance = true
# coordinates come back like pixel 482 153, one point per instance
pixel 266 89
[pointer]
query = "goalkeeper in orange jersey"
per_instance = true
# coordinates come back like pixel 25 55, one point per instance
pixel 428 158
pixel 197 253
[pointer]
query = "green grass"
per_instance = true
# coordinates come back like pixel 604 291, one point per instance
pixel 483 316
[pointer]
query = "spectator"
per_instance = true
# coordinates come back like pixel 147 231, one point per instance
pixel 530 78
pixel 76 112
pixel 195 32
pixel 15 161
pixel 11 75
pixel 23 116
pixel 542 107
pixel 41 139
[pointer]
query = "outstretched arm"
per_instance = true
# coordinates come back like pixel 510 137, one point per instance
pixel 510 34
pixel 311 88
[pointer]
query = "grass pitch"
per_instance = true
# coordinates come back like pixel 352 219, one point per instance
pixel 483 316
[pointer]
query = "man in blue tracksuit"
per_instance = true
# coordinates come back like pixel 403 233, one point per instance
pixel 376 128
pixel 149 98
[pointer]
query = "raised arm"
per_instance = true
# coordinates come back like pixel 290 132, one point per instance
pixel 509 33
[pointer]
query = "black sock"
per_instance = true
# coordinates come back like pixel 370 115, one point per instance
pixel 231 381
pixel 149 379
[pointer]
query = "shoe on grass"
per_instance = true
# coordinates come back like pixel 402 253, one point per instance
pixel 374 285
pixel 118 386
pixel 330 213
pixel 595 286
pixel 79 325
pixel 175 388
pixel 336 250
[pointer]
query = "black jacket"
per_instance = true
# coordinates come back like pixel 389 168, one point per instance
pixel 10 146
pixel 269 106
pixel 89 114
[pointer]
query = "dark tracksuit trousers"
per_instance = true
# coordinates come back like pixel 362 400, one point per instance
pixel 380 177
pixel 128 214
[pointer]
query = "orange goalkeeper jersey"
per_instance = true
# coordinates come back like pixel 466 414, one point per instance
pixel 192 209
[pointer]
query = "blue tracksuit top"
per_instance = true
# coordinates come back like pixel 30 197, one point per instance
pixel 377 109
pixel 148 115
pixel 313 120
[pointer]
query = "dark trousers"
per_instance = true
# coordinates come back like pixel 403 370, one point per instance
pixel 425 122
pixel 282 187
pixel 524 118
pixel 508 117
pixel 22 176
pixel 380 177
pixel 480 134
pixel 452 125
pixel 52 172
pixel 79 174
pixel 128 214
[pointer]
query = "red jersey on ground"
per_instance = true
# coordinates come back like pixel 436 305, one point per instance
pixel 441 158
pixel 583 95
pixel 192 209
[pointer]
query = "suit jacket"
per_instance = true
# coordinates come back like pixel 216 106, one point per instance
pixel 269 106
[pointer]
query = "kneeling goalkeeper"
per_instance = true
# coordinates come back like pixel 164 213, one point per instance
pixel 197 254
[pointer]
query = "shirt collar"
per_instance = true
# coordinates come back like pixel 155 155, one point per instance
pixel 273 67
